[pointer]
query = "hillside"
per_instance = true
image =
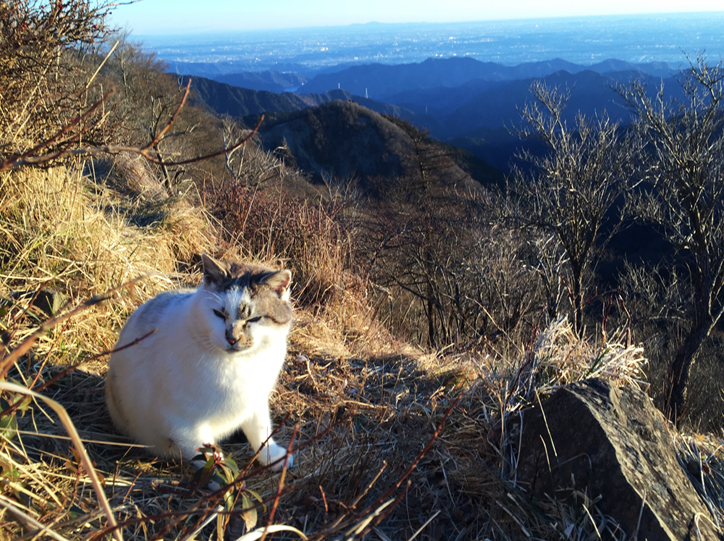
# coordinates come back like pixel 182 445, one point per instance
pixel 363 402
pixel 343 140
pixel 328 140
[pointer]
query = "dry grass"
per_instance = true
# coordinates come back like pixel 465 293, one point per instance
pixel 702 458
pixel 305 235
pixel 62 232
pixel 364 409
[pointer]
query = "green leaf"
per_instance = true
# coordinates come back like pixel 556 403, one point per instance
pixel 8 423
pixel 9 472
pixel 230 470
pixel 231 465
pixel 249 513
pixel 204 472
pixel 229 499
pixel 75 512
pixel 218 478
pixel 255 495
pixel 24 404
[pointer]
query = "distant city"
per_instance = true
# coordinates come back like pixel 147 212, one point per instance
pixel 639 39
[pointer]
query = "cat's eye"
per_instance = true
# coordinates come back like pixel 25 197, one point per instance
pixel 254 319
pixel 219 313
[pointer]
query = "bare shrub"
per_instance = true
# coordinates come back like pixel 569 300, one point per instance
pixel 571 191
pixel 656 298
pixel 465 289
pixel 271 225
pixel 249 165
pixel 44 72
pixel 682 197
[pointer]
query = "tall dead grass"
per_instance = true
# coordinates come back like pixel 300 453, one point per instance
pixel 311 237
pixel 61 231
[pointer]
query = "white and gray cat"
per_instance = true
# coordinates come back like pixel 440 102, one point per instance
pixel 210 366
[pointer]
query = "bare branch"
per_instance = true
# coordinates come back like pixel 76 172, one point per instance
pixel 31 157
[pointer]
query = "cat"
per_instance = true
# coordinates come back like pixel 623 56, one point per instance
pixel 209 367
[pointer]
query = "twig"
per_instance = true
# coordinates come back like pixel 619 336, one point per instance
pixel 110 149
pixel 31 156
pixel 75 366
pixel 20 516
pixel 281 483
pixel 206 522
pixel 428 521
pixel 421 455
pixel 71 368
pixel 196 507
pixel 367 489
pixel 28 156
pixel 379 515
pixel 100 66
pixel 170 123
pixel 373 512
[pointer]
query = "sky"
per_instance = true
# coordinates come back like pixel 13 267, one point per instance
pixel 155 17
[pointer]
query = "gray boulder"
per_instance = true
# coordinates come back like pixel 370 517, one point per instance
pixel 613 443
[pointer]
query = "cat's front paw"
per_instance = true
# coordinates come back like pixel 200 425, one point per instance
pixel 275 455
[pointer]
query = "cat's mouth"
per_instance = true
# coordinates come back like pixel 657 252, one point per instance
pixel 237 348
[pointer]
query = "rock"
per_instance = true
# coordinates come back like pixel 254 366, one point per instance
pixel 48 300
pixel 612 442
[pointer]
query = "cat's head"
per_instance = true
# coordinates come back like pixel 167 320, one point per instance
pixel 245 306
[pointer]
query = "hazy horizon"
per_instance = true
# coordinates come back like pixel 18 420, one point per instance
pixel 581 40
pixel 208 33
pixel 182 17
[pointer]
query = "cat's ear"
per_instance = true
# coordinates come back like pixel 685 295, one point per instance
pixel 215 272
pixel 279 282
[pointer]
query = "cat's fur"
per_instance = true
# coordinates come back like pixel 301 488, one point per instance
pixel 209 367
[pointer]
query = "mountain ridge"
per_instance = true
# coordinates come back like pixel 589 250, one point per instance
pixel 380 80
pixel 346 141
pixel 469 115
pixel 227 99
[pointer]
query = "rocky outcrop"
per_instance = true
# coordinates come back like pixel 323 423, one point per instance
pixel 611 442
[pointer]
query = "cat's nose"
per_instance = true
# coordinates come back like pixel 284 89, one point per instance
pixel 230 338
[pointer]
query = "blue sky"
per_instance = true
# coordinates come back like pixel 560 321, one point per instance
pixel 151 17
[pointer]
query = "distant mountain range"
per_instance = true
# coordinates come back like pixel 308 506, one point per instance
pixel 272 81
pixel 471 104
pixel 311 51
pixel 383 81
